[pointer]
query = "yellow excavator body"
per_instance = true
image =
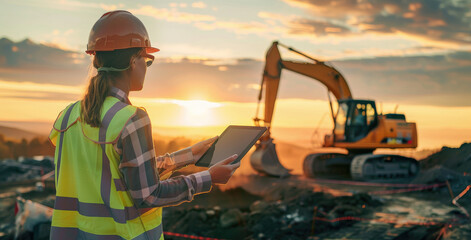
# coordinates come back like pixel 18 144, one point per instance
pixel 358 127
pixel 390 133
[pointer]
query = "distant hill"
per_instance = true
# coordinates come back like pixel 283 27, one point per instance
pixel 42 128
pixel 16 134
pixel 28 54
pixel 28 61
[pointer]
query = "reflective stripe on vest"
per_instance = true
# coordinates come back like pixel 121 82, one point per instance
pixel 65 120
pixel 91 206
pixel 105 167
pixel 75 233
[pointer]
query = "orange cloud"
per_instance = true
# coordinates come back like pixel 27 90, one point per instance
pixel 199 5
pixel 423 19
pixel 238 27
pixel 171 15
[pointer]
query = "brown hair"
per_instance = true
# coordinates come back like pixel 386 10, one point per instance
pixel 101 83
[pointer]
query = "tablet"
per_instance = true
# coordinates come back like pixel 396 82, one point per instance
pixel 234 140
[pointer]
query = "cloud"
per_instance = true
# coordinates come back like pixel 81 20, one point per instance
pixel 236 26
pixel 111 7
pixel 39 91
pixel 201 21
pixel 435 21
pixel 382 52
pixel 294 26
pixel 59 39
pixel 188 50
pixel 316 28
pixel 35 87
pixel 441 79
pixel 428 23
pixel 199 5
pixel 171 15
pixel 233 86
pixel 76 4
pixel 71 5
pixel 271 24
pixel 253 86
pixel 432 80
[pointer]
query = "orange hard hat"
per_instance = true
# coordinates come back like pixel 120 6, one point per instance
pixel 118 30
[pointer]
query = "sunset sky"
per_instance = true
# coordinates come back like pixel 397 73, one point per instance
pixel 415 55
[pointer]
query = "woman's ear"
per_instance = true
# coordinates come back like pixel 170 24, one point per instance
pixel 132 64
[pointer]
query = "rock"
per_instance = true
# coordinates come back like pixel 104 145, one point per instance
pixel 203 216
pixel 210 212
pixel 231 218
pixel 283 193
pixel 258 206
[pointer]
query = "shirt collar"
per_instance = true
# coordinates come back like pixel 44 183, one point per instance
pixel 119 94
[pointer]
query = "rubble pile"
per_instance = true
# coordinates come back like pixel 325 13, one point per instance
pixel 449 164
pixel 284 213
pixel 440 174
pixel 456 159
pixel 14 171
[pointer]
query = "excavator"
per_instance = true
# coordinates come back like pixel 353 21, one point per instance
pixel 358 128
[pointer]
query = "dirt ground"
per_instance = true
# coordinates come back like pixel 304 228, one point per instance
pixel 251 206
pixel 255 207
pixel 258 207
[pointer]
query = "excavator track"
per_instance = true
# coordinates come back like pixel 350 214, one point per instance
pixel 331 165
pixel 367 167
pixel 364 167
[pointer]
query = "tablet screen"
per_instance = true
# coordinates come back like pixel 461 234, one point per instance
pixel 234 140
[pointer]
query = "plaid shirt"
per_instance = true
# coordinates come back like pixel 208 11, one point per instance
pixel 140 167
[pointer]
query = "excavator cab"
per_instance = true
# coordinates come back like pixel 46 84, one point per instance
pixel 354 119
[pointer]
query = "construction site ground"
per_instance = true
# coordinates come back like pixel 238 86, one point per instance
pixel 257 207
pixel 252 206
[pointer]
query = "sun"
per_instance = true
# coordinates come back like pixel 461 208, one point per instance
pixel 198 112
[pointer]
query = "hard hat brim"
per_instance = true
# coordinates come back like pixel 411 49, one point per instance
pixel 152 50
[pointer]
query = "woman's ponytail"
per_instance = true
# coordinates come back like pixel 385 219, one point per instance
pixel 100 84
pixel 94 97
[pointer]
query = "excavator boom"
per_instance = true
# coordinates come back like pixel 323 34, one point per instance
pixel 330 77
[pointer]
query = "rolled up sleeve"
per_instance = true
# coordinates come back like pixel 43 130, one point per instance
pixel 173 161
pixel 139 168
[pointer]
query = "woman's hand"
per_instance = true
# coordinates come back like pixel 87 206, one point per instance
pixel 200 148
pixel 222 171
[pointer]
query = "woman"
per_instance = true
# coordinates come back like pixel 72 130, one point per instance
pixel 107 175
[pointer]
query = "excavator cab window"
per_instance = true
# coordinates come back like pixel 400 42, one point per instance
pixel 340 120
pixel 361 119
pixel 370 115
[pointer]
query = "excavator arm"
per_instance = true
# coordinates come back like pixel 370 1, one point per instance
pixel 329 76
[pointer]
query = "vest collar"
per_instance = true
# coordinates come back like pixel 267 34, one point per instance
pixel 119 94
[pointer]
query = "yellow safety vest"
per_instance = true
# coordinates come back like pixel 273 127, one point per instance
pixel 91 198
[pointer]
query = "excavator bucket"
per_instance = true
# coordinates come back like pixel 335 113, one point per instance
pixel 265 160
